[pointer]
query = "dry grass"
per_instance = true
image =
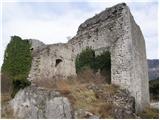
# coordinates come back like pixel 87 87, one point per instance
pixel 149 113
pixel 63 87
pixel 111 88
pixel 102 109
pixel 7 112
pixel 5 97
pixel 105 110
pixel 83 98
pixel 89 76
pixel 50 84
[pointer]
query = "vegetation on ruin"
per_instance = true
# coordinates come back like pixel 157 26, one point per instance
pixel 87 59
pixel 82 97
pixel 154 89
pixel 149 113
pixel 17 63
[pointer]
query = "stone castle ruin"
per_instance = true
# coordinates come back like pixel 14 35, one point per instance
pixel 114 30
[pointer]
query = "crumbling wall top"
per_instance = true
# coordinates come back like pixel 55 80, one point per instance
pixel 108 13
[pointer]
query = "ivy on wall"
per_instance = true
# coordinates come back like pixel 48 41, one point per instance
pixel 17 62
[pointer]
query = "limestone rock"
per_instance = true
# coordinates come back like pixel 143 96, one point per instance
pixel 34 102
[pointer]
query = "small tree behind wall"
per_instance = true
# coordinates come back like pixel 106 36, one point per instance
pixel 101 62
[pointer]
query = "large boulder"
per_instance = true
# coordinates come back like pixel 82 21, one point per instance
pixel 35 102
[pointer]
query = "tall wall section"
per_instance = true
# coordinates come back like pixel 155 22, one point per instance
pixel 115 30
pixel 140 83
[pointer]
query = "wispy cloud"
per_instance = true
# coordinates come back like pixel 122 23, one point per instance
pixel 53 22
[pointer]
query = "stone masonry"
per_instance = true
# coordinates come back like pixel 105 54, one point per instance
pixel 114 30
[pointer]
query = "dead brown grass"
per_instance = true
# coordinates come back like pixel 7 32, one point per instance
pixel 63 86
pixel 50 84
pixel 111 88
pixel 102 109
pixel 89 76
pixel 5 97
pixel 82 97
pixel 149 113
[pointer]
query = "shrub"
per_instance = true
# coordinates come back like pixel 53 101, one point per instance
pixel 85 58
pixel 17 62
pixel 103 61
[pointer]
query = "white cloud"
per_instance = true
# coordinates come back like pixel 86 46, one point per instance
pixel 146 16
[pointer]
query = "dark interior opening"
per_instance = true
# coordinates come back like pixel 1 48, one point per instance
pixel 31 49
pixel 57 62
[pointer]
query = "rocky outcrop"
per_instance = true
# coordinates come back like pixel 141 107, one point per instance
pixel 122 103
pixel 35 102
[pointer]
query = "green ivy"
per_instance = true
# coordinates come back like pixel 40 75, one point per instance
pixel 17 62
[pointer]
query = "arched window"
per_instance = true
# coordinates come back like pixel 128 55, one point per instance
pixel 58 61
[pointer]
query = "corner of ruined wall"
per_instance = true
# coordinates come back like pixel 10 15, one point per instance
pixel 140 79
pixel 121 54
pixel 128 61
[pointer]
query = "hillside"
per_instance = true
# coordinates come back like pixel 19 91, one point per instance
pixel 153 68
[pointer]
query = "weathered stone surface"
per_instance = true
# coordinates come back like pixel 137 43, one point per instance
pixel 123 104
pixel 81 114
pixel 113 30
pixel 35 102
pixel 52 62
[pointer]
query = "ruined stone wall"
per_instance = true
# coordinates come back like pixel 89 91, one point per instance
pixel 52 62
pixel 114 30
pixel 140 83
pixel 99 32
pixel 109 30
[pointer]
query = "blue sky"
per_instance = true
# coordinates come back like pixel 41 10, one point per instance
pixel 53 22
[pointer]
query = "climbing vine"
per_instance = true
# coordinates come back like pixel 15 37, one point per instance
pixel 17 62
